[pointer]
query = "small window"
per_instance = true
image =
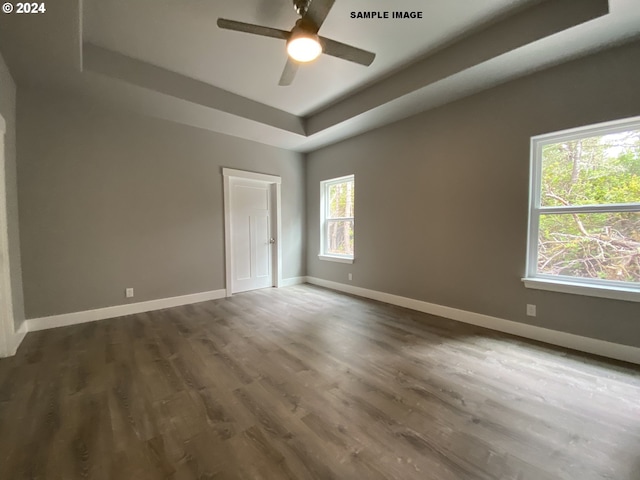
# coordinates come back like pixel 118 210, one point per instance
pixel 584 225
pixel 337 200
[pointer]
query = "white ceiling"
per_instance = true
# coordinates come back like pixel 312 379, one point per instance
pixel 181 36
pixel 167 58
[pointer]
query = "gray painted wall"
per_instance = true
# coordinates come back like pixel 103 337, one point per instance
pixel 449 190
pixel 110 200
pixel 8 111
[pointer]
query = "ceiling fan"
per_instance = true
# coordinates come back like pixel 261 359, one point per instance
pixel 303 42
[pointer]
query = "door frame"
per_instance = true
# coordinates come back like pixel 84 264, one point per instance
pixel 276 254
pixel 7 327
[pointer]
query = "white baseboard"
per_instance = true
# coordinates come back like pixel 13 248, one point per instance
pixel 288 282
pixel 14 339
pixel 43 323
pixel 576 342
pixel 18 336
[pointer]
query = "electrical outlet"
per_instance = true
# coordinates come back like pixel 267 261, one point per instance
pixel 531 310
pixel 129 292
pixel 350 277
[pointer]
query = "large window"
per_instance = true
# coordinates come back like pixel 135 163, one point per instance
pixel 337 200
pixel 584 231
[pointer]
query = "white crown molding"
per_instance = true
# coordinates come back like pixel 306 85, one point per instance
pixel 44 323
pixel 603 348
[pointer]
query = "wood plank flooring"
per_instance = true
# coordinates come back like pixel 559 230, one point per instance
pixel 306 383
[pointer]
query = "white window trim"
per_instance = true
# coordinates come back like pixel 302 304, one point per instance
pixel 581 286
pixel 335 258
pixel 561 285
pixel 323 224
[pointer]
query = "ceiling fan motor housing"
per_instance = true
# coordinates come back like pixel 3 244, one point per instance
pixel 303 42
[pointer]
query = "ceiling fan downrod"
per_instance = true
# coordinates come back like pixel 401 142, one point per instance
pixel 301 6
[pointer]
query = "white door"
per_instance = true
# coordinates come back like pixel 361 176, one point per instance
pixel 251 239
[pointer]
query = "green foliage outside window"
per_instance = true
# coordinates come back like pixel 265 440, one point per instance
pixel 601 170
pixel 340 218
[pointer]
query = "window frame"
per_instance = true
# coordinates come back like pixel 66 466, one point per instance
pixel 629 291
pixel 324 216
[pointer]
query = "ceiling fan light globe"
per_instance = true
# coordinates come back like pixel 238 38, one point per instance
pixel 304 48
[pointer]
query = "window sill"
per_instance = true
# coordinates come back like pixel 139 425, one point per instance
pixel 602 291
pixel 331 258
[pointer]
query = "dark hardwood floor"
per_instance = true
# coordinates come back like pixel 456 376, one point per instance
pixel 306 383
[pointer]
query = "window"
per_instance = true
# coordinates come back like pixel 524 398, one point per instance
pixel 584 222
pixel 336 219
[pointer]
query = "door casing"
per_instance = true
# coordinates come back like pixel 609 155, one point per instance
pixel 276 257
pixel 7 328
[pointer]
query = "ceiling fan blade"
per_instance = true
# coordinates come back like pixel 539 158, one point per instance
pixel 289 73
pixel 254 29
pixel 318 11
pixel 346 52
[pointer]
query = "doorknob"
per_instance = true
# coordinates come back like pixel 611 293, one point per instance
pixel 272 240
